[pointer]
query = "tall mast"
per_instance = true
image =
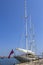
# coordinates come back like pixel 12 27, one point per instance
pixel 31 31
pixel 32 36
pixel 26 24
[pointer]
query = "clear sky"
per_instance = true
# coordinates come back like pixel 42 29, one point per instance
pixel 12 24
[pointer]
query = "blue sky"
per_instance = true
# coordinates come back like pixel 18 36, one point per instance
pixel 12 24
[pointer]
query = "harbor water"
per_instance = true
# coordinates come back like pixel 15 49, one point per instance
pixel 11 61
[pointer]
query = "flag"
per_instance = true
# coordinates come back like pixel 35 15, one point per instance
pixel 11 53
